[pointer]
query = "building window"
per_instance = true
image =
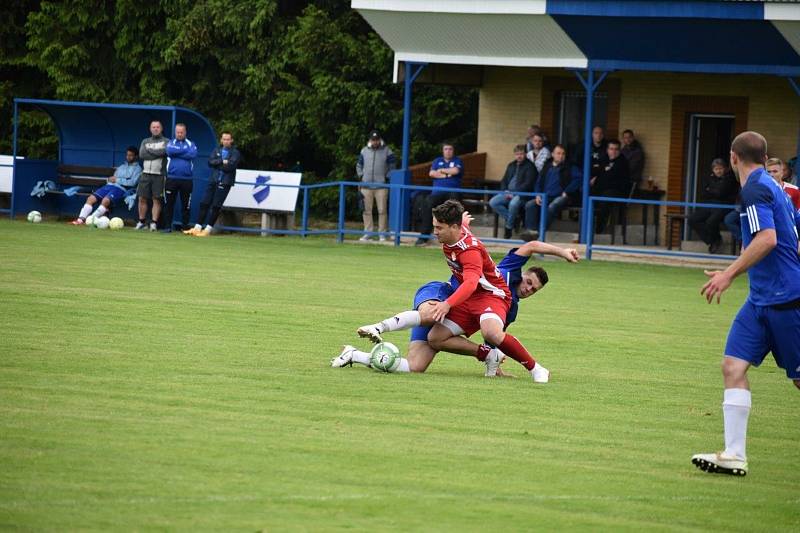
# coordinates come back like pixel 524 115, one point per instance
pixel 570 114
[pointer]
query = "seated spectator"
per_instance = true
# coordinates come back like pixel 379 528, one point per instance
pixel 612 180
pixel 721 187
pixel 776 167
pixel 558 180
pixel 540 153
pixel 598 150
pixel 634 153
pixel 125 177
pixel 520 176
pixel 446 172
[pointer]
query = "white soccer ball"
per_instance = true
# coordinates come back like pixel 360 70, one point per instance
pixel 116 223
pixel 385 357
pixel 101 223
pixel 89 221
pixel 35 217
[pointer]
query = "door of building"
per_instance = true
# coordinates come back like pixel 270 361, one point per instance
pixel 710 137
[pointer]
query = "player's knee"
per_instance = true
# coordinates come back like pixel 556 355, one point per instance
pixel 494 337
pixel 732 369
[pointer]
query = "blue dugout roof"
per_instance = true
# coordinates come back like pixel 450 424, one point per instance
pixel 96 134
pixel 736 37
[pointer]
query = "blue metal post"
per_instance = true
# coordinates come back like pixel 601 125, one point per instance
pixel 412 70
pixel 590 235
pixel 305 212
pixel 340 236
pixel 14 159
pixel 591 86
pixel 543 218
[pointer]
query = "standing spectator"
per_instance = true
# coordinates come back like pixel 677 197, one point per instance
pixel 223 162
pixel 534 129
pixel 634 153
pixel 181 152
pixel 612 179
pixel 520 176
pixel 775 168
pixel 558 180
pixel 375 162
pixel 721 187
pixel 598 148
pixel 539 154
pixel 446 172
pixel 126 176
pixel 153 153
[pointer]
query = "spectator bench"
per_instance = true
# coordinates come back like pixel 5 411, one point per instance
pixel 83 176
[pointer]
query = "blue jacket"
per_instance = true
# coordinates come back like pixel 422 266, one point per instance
pixel 127 175
pixel 553 181
pixel 180 155
pixel 221 172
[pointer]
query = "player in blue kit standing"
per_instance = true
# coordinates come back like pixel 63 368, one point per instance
pixel 769 321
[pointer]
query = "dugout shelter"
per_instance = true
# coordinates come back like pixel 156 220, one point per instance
pixel 92 139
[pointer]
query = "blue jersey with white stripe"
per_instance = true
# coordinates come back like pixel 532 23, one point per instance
pixel 776 278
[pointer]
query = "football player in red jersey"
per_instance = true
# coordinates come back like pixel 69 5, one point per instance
pixel 482 299
pixel 775 169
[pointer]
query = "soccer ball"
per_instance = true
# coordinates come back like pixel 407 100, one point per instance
pixel 385 357
pixel 116 223
pixel 89 221
pixel 101 223
pixel 35 217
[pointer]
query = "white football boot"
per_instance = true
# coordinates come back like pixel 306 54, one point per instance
pixel 370 332
pixel 719 463
pixel 540 374
pixel 343 359
pixel 492 361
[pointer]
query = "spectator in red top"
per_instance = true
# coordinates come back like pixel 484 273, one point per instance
pixel 775 167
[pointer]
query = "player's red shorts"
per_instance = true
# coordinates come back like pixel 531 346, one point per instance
pixel 468 315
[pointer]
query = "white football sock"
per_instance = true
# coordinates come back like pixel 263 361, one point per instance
pixel 100 211
pixel 198 227
pixel 735 412
pixel 85 211
pixel 209 227
pixel 403 367
pixel 404 320
pixel 362 358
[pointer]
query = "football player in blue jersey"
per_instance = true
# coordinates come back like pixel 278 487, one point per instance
pixel 769 320
pixel 420 354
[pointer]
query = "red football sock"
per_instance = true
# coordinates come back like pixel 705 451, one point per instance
pixel 516 351
pixel 483 351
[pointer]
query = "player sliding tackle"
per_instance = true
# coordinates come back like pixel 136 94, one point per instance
pixel 508 273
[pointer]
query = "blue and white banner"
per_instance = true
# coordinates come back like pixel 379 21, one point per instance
pixel 260 190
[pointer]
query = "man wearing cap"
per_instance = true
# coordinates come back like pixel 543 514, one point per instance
pixel 375 162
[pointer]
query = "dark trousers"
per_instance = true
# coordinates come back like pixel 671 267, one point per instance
pixel 173 189
pixel 705 221
pixel 603 209
pixel 433 200
pixel 213 198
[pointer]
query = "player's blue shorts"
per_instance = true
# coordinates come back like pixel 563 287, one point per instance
pixel 112 192
pixel 433 290
pixel 758 330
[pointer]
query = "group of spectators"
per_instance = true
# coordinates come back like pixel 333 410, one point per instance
pixel 721 187
pixel 163 169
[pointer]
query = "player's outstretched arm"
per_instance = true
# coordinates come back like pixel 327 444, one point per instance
pixel 762 244
pixel 536 247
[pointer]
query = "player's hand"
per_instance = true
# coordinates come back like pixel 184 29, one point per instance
pixel 715 286
pixel 538 200
pixel 440 311
pixel 466 218
pixel 112 179
pixel 571 255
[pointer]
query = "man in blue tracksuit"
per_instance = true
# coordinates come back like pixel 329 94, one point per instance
pixel 181 153
pixel 223 161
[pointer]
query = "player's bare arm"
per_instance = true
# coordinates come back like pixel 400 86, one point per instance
pixel 720 280
pixel 570 255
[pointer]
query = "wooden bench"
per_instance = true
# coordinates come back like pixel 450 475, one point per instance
pixel 82 176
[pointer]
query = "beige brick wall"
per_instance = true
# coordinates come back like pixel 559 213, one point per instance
pixel 510 99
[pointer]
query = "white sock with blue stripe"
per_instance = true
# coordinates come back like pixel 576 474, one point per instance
pixel 735 412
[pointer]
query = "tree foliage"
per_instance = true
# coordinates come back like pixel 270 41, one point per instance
pixel 295 81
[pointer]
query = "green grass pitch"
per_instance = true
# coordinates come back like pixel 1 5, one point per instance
pixel 153 381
